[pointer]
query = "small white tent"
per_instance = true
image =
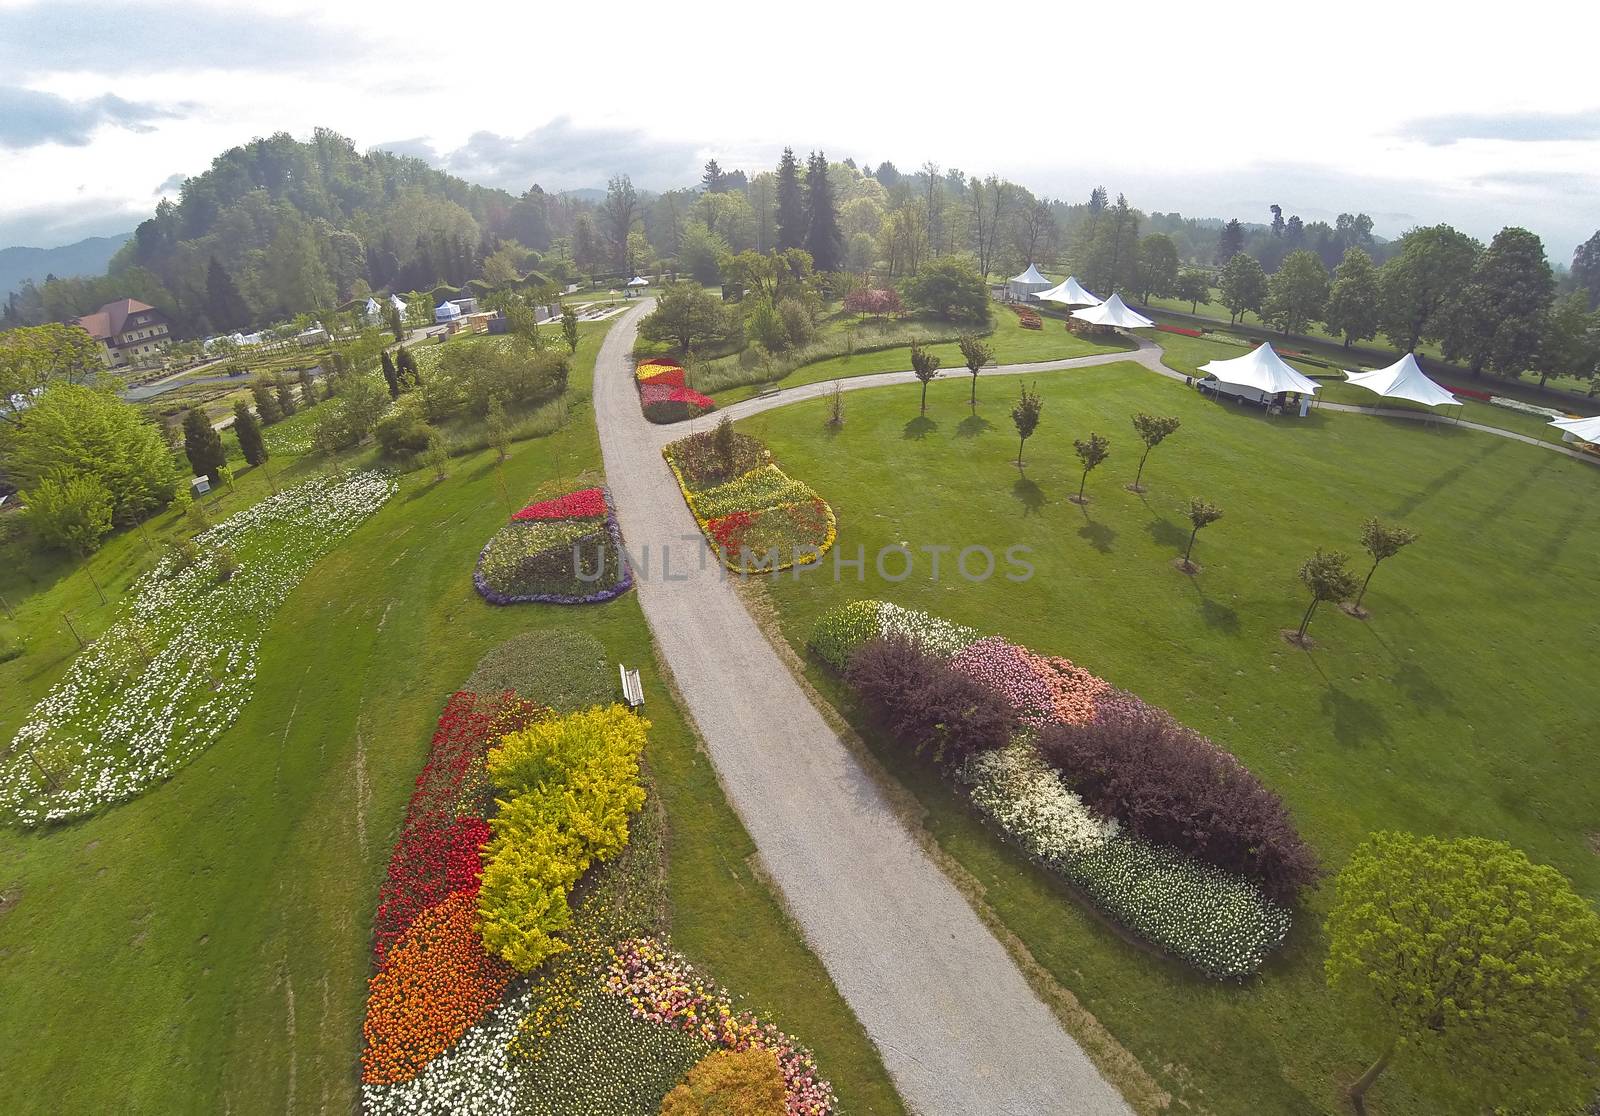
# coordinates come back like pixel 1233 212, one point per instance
pixel 398 303
pixel 1027 285
pixel 371 311
pixel 638 281
pixel 446 312
pixel 1261 369
pixel 1113 312
pixel 1069 293
pixel 1583 429
pixel 1404 379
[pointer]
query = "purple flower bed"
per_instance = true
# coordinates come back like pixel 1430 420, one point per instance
pixel 548 574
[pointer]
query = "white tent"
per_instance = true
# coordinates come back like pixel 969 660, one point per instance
pixel 1113 312
pixel 1261 369
pixel 446 312
pixel 371 310
pixel 1404 379
pixel 1027 285
pixel 398 303
pixel 1069 293
pixel 638 281
pixel 1585 429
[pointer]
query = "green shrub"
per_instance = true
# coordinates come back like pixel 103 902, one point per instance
pixel 401 432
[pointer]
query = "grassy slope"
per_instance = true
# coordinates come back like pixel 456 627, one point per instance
pixel 204 947
pixel 1460 708
pixel 1011 343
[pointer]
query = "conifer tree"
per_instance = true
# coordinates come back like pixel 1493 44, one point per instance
pixel 823 239
pixel 203 446
pixel 791 204
pixel 390 376
pixel 248 431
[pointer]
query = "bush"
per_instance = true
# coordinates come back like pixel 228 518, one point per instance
pixel 702 464
pixel 71 513
pixel 765 327
pixel 797 324
pixel 730 1083
pixel 926 705
pixel 402 432
pixel 1172 786
pixel 949 288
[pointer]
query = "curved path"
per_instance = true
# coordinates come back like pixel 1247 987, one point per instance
pixel 958 1027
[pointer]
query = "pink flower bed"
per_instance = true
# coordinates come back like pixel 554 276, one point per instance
pixel 1040 688
pixel 588 503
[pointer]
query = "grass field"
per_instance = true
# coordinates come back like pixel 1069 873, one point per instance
pixel 205 947
pixel 1462 707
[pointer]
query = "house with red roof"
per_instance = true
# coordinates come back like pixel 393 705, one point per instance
pixel 128 331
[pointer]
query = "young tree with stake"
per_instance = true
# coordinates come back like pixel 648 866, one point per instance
pixel 1091 453
pixel 1381 540
pixel 1202 513
pixel 926 367
pixel 1476 967
pixel 1329 579
pixel 1152 431
pixel 569 328
pixel 1025 416
pixel 975 354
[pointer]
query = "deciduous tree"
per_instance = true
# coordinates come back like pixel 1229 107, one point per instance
pixel 1194 287
pixel 1157 271
pixel 569 328
pixel 926 366
pixel 32 356
pixel 1476 968
pixel 1353 299
pixel 1297 293
pixel 1091 452
pixel 1025 416
pixel 686 316
pixel 949 288
pixel 1496 319
pixel 1416 285
pixel 1243 286
pixel 70 512
pixel 1202 513
pixel 1381 540
pixel 1328 577
pixel 1152 431
pixel 1569 345
pixel 975 353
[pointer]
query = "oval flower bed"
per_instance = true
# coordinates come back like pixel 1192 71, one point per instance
pixel 756 517
pixel 665 395
pixel 1202 867
pixel 567 550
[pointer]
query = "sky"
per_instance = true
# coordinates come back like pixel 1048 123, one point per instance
pixel 1412 113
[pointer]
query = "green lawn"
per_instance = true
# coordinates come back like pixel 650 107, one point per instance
pixel 1462 707
pixel 205 947
pixel 1011 344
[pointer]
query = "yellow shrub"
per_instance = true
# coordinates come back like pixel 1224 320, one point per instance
pixel 570 785
pixel 728 1083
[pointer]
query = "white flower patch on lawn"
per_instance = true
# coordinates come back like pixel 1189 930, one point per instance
pixel 169 677
pixel 1028 800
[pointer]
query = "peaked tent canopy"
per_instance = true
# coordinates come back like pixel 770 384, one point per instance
pixel 398 303
pixel 638 281
pixel 1404 379
pixel 1113 312
pixel 446 312
pixel 1027 285
pixel 371 309
pixel 1069 293
pixel 1261 369
pixel 1586 428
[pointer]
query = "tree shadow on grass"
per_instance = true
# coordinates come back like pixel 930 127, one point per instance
pixel 1445 479
pixel 1095 533
pixel 972 426
pixel 1029 494
pixel 1419 687
pixel 1168 534
pixel 919 427
pixel 1218 615
pixel 1356 721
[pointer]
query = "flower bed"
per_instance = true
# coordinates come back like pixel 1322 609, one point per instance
pixel 1027 316
pixel 755 516
pixel 664 392
pixel 1180 331
pixel 1223 922
pixel 1470 393
pixel 164 681
pixel 562 551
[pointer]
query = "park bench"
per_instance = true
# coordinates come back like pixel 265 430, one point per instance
pixel 632 688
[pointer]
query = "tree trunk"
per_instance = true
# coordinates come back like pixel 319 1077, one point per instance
pixel 1358 1091
pixel 924 396
pixel 1188 550
pixel 1306 619
pixel 1140 473
pixel 1020 442
pixel 1082 481
pixel 974 393
pixel 1365 583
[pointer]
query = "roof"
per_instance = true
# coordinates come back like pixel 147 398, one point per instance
pixel 638 281
pixel 1069 293
pixel 1586 428
pixel 1404 379
pixel 106 322
pixel 1262 369
pixel 1031 278
pixel 1113 312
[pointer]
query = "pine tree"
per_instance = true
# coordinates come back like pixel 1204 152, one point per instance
pixel 266 402
pixel 288 402
pixel 225 306
pixel 406 371
pixel 248 431
pixel 203 446
pixel 308 388
pixel 791 204
pixel 1230 241
pixel 823 239
pixel 390 376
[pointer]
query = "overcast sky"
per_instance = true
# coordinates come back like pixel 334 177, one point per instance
pixel 1413 113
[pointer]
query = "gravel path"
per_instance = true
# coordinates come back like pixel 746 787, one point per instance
pixel 959 1029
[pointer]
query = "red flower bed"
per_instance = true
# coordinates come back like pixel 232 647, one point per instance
pixel 1181 331
pixel 691 397
pixel 1470 393
pixel 672 377
pixel 589 503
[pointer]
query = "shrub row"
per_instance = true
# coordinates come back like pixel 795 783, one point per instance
pixel 924 704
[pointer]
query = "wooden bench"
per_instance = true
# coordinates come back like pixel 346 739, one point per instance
pixel 632 688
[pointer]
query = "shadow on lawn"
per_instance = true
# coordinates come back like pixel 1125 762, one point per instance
pixel 919 427
pixel 1095 533
pixel 1029 494
pixel 972 426
pixel 1445 479
pixel 1356 720
pixel 1168 534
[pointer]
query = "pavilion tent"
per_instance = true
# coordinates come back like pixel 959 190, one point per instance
pixel 638 281
pixel 1404 379
pixel 1113 312
pixel 1261 369
pixel 446 312
pixel 1027 285
pixel 1587 429
pixel 371 310
pixel 1069 293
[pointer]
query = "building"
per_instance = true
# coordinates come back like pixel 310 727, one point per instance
pixel 129 332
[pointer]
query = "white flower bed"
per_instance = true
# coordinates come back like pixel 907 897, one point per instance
pixel 475 1077
pixel 169 677
pixel 937 635
pixel 1526 408
pixel 1027 798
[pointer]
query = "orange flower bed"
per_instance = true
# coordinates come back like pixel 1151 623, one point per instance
pixel 436 981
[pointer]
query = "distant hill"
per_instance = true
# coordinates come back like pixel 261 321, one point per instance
pixel 86 257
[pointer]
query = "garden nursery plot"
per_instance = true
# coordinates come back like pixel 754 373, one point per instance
pixel 564 550
pixel 664 394
pixel 1182 845
pixel 167 678
pixel 519 940
pixel 755 516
